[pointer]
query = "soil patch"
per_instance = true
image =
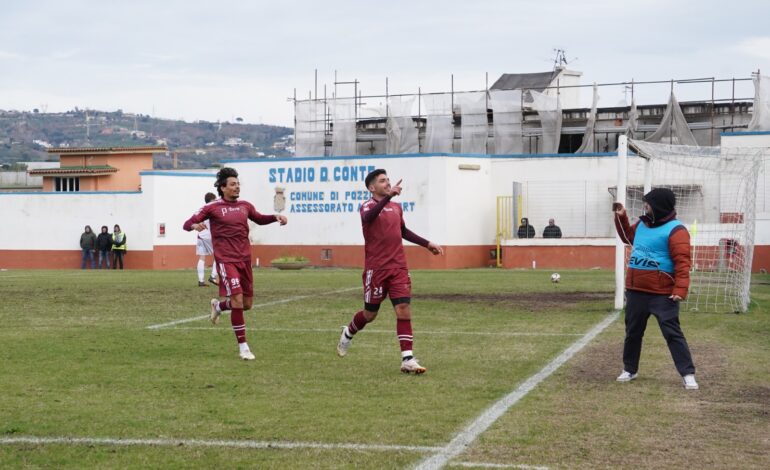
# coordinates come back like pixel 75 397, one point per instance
pixel 533 301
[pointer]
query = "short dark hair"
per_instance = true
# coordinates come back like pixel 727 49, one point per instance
pixel 209 197
pixel 373 175
pixel 222 176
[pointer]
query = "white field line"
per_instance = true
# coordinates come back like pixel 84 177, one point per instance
pixel 464 438
pixel 246 444
pixel 496 465
pixel 266 304
pixel 419 332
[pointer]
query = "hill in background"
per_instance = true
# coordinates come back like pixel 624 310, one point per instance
pixel 25 136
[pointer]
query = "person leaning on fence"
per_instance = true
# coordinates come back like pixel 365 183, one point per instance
pixel 525 230
pixel 104 245
pixel 551 230
pixel 88 246
pixel 118 246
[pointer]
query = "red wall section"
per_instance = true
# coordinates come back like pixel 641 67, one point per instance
pixel 455 257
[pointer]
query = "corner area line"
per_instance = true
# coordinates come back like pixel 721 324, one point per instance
pixel 266 304
pixel 245 444
pixel 465 437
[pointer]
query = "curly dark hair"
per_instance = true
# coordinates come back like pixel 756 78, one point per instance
pixel 222 176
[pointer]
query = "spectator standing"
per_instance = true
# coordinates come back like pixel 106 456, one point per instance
pixel 88 246
pixel 104 245
pixel 118 246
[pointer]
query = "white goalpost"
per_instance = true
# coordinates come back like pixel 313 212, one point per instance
pixel 715 189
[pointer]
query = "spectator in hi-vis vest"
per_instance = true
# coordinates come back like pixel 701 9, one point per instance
pixel 118 247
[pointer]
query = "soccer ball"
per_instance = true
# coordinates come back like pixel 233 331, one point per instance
pixel 555 277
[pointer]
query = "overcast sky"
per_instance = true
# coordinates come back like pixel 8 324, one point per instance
pixel 217 60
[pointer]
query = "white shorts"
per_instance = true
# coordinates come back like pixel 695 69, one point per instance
pixel 204 248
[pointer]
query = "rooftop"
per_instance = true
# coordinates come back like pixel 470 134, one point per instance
pixel 107 150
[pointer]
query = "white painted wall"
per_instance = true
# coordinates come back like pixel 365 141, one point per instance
pixel 444 203
pixel 172 198
pixel 441 202
pixel 55 221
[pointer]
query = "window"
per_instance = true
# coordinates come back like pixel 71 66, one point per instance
pixel 326 254
pixel 66 184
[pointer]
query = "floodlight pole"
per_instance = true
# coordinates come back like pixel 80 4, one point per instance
pixel 620 247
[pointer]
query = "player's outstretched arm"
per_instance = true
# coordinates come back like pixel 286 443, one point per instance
pixel 262 219
pixel 435 248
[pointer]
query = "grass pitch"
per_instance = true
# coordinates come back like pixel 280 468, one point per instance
pixel 79 361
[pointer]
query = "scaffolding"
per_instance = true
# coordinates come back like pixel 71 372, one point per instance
pixel 490 121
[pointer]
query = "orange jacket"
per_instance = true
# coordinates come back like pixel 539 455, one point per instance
pixel 657 282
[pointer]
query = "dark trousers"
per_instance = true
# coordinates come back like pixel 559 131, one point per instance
pixel 118 258
pixel 104 258
pixel 639 307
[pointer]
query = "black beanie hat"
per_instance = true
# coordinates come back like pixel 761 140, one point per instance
pixel 662 201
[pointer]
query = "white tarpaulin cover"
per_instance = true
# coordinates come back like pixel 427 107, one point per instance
pixel 549 110
pixel 310 128
pixel 589 139
pixel 673 127
pixel 473 125
pixel 760 117
pixel 344 127
pixel 506 121
pixel 401 132
pixel 439 131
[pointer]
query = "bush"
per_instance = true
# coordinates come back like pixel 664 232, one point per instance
pixel 290 259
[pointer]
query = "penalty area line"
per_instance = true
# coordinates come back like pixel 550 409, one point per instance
pixel 426 332
pixel 465 438
pixel 265 304
pixel 244 444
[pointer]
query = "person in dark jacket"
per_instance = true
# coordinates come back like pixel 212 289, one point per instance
pixel 525 230
pixel 551 230
pixel 104 245
pixel 657 279
pixel 118 246
pixel 88 246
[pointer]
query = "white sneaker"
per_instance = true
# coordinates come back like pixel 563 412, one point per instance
pixel 344 343
pixel 247 355
pixel 689 382
pixel 626 376
pixel 412 365
pixel 215 312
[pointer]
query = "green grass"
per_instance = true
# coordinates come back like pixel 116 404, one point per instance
pixel 78 361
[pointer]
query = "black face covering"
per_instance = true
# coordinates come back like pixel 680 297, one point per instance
pixel 662 201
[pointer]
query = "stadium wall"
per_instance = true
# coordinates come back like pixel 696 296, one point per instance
pixel 448 198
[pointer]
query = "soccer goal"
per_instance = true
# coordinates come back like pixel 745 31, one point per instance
pixel 715 189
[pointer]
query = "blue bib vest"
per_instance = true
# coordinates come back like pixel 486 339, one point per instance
pixel 650 250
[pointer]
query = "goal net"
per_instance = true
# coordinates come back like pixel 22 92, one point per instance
pixel 715 190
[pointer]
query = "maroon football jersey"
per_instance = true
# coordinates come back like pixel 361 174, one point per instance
pixel 229 227
pixel 382 237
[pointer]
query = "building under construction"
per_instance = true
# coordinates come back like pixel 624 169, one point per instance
pixel 532 113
